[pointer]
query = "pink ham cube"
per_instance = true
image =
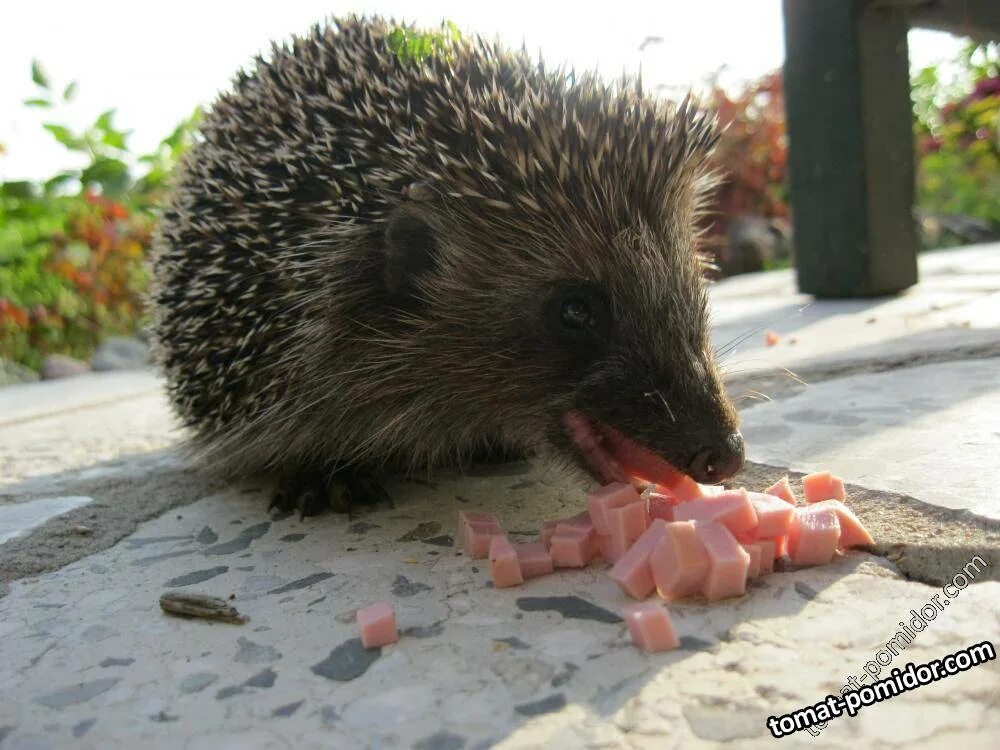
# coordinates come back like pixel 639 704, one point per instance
pixel 823 486
pixel 603 499
pixel 753 570
pixel 774 515
pixel 660 506
pixel 571 547
pixel 475 530
pixel 767 556
pixel 504 567
pixel 732 508
pixel 534 559
pixel 625 525
pixel 545 533
pixel 650 626
pixel 679 562
pixel 782 489
pixel 852 532
pixel 728 561
pixel 780 544
pixel 610 548
pixel 628 522
pixel 814 535
pixel 377 623
pixel 686 489
pixel 579 521
pixel 632 571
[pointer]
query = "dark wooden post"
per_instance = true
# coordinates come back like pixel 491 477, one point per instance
pixel 850 131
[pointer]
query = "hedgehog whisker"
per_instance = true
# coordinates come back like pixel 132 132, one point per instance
pixel 736 342
pixel 788 373
pixel 665 404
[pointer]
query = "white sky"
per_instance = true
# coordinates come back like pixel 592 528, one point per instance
pixel 154 61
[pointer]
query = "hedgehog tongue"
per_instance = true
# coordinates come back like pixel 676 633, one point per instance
pixel 588 442
pixel 638 460
pixel 616 458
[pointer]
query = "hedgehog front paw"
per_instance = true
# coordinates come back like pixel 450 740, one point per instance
pixel 312 492
pixel 364 489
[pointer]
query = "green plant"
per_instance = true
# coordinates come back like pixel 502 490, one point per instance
pixel 750 161
pixel 752 153
pixel 957 128
pixel 410 45
pixel 73 247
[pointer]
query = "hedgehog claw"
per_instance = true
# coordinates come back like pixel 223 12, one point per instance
pixel 364 489
pixel 310 501
pixel 312 493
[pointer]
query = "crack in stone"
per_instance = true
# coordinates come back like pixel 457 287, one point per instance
pixel 421 531
pixel 570 607
pixel 301 583
pixel 404 587
pixel 347 662
pixel 74 694
pixel 197 576
pixel 240 542
pixel 546 705
pixel 287 710
pixel 777 383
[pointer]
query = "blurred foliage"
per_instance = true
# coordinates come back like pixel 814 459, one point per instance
pixel 957 126
pixel 411 45
pixel 73 247
pixel 751 162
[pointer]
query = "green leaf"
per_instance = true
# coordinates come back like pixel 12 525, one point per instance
pixel 395 40
pixel 115 139
pixel 58 181
pixel 69 92
pixel 38 75
pixel 103 121
pixel 41 103
pixel 111 174
pixel 21 189
pixel 64 135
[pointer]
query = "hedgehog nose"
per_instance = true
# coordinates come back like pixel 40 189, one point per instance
pixel 715 463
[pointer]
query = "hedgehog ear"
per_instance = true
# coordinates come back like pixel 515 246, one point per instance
pixel 410 252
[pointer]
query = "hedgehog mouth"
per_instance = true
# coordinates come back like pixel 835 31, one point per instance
pixel 613 457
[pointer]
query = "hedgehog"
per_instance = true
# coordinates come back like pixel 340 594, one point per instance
pixel 370 265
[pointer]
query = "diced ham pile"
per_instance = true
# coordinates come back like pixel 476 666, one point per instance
pixel 684 540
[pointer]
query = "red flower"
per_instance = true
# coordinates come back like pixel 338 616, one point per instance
pixel 986 87
pixel 929 145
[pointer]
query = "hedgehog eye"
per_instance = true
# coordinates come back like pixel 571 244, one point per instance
pixel 576 314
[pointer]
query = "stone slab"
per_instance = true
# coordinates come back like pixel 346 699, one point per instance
pixel 87 659
pixel 19 518
pixel 82 422
pixel 955 306
pixel 29 400
pixel 930 432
